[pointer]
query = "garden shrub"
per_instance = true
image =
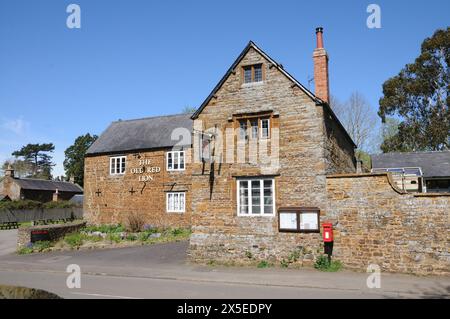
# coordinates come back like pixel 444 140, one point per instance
pixel 135 222
pixel 323 264
pixel 32 204
pixel 263 264
pixel 74 239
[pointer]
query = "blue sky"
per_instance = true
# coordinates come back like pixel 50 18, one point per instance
pixel 134 59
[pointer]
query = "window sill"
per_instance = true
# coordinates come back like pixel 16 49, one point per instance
pixel 259 215
pixel 299 231
pixel 173 212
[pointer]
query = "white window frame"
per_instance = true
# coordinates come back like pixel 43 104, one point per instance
pixel 243 131
pixel 181 197
pixel 261 197
pixel 115 159
pixel 252 121
pixel 173 160
pixel 268 129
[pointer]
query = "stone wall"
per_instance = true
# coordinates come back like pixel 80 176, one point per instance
pixel 339 149
pixel 377 223
pixel 110 199
pixel 55 231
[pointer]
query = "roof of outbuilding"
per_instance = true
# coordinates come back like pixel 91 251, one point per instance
pixel 42 184
pixel 433 164
pixel 142 134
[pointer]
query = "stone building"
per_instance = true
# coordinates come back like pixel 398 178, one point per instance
pixel 267 211
pixel 140 166
pixel 14 188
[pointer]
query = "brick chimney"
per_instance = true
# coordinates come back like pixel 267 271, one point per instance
pixel 9 171
pixel 320 56
pixel 56 196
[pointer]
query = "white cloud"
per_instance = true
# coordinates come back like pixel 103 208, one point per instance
pixel 18 126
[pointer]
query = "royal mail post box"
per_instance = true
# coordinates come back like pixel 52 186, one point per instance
pixel 327 232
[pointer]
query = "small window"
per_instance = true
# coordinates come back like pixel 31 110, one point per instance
pixel 243 130
pixel 175 161
pixel 258 73
pixel 247 74
pixel 117 165
pixel 265 128
pixel 254 124
pixel 175 202
pixel 253 73
pixel 299 220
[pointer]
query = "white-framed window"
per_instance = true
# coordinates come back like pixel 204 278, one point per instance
pixel 265 128
pixel 255 128
pixel 243 130
pixel 117 165
pixel 175 161
pixel 256 197
pixel 175 202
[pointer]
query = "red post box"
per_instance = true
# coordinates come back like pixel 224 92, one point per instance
pixel 327 232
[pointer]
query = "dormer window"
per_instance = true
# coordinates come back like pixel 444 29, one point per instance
pixel 253 73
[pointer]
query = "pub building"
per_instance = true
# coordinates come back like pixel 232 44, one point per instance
pixel 233 201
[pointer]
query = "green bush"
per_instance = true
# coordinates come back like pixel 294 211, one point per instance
pixel 323 264
pixel 41 245
pixel 263 264
pixel 177 231
pixel 131 237
pixel 107 229
pixel 74 239
pixel 32 204
pixel 114 237
pixel 20 204
pixel 58 204
pixel 143 236
pixel 284 263
pixel 25 250
pixel 92 238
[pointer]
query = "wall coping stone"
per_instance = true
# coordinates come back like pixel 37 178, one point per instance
pixel 357 175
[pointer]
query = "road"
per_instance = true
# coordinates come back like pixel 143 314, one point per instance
pixel 8 240
pixel 161 271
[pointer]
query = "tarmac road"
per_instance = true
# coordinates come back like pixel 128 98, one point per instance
pixel 161 271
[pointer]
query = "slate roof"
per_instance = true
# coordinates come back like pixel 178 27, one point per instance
pixel 433 164
pixel 42 184
pixel 141 134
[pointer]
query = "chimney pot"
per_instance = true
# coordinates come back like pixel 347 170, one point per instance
pixel 319 36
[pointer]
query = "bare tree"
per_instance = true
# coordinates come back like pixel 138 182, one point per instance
pixel 359 119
